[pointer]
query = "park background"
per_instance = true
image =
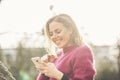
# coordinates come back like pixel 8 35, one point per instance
pixel 22 37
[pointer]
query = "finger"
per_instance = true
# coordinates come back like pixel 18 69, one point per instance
pixel 37 68
pixel 43 63
pixel 45 60
pixel 51 57
pixel 41 69
pixel 46 72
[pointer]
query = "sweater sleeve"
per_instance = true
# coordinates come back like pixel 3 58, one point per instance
pixel 42 77
pixel 83 68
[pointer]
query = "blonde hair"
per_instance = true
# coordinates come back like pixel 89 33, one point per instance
pixel 69 24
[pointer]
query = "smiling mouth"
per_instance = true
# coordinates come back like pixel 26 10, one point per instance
pixel 57 42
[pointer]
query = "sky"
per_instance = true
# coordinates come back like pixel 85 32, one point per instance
pixel 99 19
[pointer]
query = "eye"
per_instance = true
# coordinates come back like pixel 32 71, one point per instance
pixel 58 31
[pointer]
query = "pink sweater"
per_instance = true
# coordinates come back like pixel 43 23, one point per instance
pixel 75 62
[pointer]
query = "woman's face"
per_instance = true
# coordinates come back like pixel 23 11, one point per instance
pixel 59 34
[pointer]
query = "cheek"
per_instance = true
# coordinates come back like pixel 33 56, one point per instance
pixel 67 37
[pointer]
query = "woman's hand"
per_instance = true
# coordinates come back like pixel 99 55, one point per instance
pixel 50 70
pixel 48 58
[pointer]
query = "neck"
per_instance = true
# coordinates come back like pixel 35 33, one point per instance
pixel 66 49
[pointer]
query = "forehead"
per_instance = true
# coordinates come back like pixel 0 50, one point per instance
pixel 55 25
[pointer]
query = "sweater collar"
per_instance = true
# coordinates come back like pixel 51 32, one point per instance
pixel 67 49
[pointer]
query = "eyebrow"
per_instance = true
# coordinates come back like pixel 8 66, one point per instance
pixel 54 30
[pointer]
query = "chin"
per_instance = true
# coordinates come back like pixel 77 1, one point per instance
pixel 59 46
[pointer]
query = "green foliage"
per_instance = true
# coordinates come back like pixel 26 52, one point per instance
pixel 106 70
pixel 22 62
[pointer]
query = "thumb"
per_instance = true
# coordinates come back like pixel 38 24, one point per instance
pixel 51 58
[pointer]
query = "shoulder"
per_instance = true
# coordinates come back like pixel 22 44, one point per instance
pixel 83 51
pixel 83 54
pixel 83 48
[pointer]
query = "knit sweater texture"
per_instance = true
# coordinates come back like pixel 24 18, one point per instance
pixel 77 62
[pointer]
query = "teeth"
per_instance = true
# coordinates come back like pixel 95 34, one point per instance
pixel 57 42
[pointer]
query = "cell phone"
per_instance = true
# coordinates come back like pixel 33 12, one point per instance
pixel 36 60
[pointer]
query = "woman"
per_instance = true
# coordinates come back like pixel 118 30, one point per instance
pixel 75 59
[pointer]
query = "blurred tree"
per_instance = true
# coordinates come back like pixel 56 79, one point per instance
pixel 18 62
pixel 21 66
pixel 4 73
pixel 1 53
pixel 42 31
pixel 23 61
pixel 105 70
